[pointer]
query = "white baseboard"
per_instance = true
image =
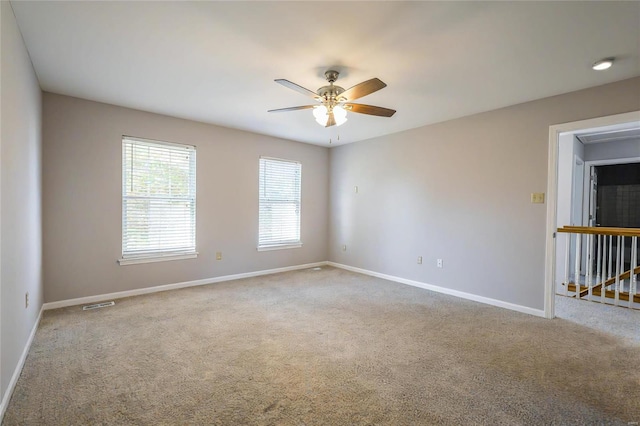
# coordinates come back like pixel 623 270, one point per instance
pixel 444 290
pixel 155 289
pixel 16 373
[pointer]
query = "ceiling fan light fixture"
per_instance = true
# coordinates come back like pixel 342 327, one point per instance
pixel 603 64
pixel 320 114
pixel 340 114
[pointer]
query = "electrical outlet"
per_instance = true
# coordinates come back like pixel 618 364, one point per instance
pixel 439 263
pixel 419 260
pixel 218 255
pixel 26 300
pixel 344 247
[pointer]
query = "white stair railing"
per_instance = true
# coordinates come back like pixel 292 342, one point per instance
pixel 602 275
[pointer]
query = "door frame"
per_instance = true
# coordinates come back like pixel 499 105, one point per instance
pixel 552 193
pixel 578 189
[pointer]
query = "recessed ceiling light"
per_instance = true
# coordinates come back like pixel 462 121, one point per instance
pixel 603 64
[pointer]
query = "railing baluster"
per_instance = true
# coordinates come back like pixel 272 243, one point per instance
pixel 576 276
pixel 616 299
pixel 634 264
pixel 602 264
pixel 605 262
pixel 598 258
pixel 567 267
pixel 589 265
pixel 610 255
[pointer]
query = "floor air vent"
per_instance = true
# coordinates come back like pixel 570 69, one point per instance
pixel 98 305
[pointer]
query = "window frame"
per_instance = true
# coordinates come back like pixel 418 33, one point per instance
pixel 159 255
pixel 281 245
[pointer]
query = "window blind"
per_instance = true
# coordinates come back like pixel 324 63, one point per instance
pixel 158 198
pixel 279 211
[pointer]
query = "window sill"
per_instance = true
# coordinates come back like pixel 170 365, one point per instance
pixel 279 247
pixel 156 258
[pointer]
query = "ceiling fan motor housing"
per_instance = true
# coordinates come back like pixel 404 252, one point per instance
pixel 330 95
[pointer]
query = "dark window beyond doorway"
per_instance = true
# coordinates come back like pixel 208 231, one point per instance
pixel 618 196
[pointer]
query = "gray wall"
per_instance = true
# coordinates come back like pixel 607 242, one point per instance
pixel 82 166
pixel 20 191
pixel 612 150
pixel 460 191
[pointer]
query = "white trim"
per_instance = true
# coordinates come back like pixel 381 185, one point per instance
pixel 16 373
pixel 157 142
pixel 577 161
pixel 156 289
pixel 156 258
pixel 166 287
pixel 279 247
pixel 444 290
pixel 550 227
pixel 280 159
pixel 613 161
pixel 552 189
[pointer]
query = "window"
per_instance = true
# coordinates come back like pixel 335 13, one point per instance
pixel 279 212
pixel 158 201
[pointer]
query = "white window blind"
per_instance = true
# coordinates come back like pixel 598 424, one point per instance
pixel 279 203
pixel 158 198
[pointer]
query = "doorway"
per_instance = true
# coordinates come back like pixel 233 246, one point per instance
pixel 593 131
pixel 617 195
pixel 615 201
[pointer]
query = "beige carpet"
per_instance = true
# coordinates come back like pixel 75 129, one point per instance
pixel 620 321
pixel 325 347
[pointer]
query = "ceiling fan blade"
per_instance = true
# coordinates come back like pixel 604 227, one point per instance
pixel 331 121
pixel 292 108
pixel 363 89
pixel 299 89
pixel 370 110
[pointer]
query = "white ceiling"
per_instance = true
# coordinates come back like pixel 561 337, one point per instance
pixel 216 61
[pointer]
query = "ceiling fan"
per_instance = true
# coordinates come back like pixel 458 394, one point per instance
pixel 334 101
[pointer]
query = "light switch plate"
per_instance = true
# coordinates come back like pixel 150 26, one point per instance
pixel 537 197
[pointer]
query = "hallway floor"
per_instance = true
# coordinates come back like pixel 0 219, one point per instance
pixel 614 320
